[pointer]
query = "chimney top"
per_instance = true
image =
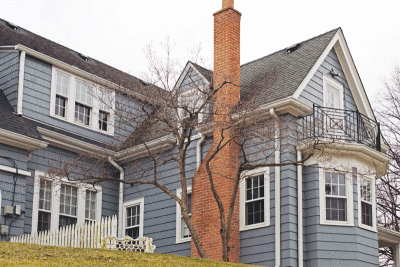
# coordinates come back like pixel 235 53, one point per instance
pixel 227 4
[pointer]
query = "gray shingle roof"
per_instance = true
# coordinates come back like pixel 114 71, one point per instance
pixel 279 74
pixel 12 122
pixel 21 36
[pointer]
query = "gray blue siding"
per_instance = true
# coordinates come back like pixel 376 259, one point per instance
pixel 313 92
pixel 9 75
pixel 159 208
pixel 8 191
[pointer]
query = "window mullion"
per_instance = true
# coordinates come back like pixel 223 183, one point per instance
pixel 81 205
pixel 71 102
pixel 55 208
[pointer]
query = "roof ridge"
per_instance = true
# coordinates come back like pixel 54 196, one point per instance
pixel 336 29
pixel 19 27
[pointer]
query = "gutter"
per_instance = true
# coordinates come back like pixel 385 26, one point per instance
pixel 300 208
pixel 277 189
pixel 121 196
pixel 198 149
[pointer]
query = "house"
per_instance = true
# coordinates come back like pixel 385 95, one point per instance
pixel 57 104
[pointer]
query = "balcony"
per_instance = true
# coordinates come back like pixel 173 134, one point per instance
pixel 340 125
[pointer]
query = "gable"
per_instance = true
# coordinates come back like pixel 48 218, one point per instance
pixel 313 92
pixel 349 70
pixel 191 77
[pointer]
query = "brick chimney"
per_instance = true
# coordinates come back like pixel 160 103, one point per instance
pixel 205 212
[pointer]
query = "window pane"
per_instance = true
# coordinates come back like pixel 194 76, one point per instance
pixel 82 114
pixel 366 213
pixel 66 220
pixel 45 195
pixel 90 208
pixel 132 232
pixel 44 221
pixel 62 84
pixel 336 209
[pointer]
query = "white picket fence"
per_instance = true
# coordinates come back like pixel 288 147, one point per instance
pixel 94 234
pixel 88 235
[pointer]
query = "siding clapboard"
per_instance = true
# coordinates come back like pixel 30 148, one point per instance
pixel 9 75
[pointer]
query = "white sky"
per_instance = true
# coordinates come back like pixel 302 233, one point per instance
pixel 115 32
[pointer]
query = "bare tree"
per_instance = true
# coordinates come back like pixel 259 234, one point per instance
pixel 388 187
pixel 179 112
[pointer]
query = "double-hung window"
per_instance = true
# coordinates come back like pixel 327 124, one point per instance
pixel 182 230
pixel 90 205
pixel 62 90
pixel 105 99
pixel 68 205
pixel 82 102
pixel 254 199
pixel 59 202
pixel 366 203
pixel 336 195
pixel 133 218
pixel 44 209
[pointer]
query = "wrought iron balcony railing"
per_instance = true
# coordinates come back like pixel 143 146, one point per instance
pixel 342 125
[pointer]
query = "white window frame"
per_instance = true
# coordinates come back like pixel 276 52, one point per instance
pixel 70 105
pixel 373 200
pixel 242 199
pixel 179 216
pixel 337 85
pixel 55 201
pixel 349 198
pixel 134 202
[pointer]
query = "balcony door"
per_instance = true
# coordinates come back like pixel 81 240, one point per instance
pixel 334 117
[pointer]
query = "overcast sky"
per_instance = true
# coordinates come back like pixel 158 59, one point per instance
pixel 115 32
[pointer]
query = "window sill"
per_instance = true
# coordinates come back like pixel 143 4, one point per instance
pixel 337 223
pixel 254 226
pixel 89 127
pixel 183 240
pixel 369 228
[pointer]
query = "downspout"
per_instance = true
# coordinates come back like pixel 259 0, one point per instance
pixel 300 208
pixel 121 196
pixel 277 189
pixel 198 149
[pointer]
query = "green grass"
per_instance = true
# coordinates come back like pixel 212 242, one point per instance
pixel 15 254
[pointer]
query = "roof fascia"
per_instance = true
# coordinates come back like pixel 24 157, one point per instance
pixel 338 42
pixel 72 144
pixel 314 69
pixel 352 76
pixel 140 151
pixel 21 141
pixel 79 72
pixel 386 235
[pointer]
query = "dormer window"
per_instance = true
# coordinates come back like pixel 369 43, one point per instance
pixel 81 102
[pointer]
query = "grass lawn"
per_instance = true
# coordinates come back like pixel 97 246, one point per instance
pixel 16 254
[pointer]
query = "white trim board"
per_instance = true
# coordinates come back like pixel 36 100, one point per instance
pixel 21 141
pixel 14 170
pixel 338 42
